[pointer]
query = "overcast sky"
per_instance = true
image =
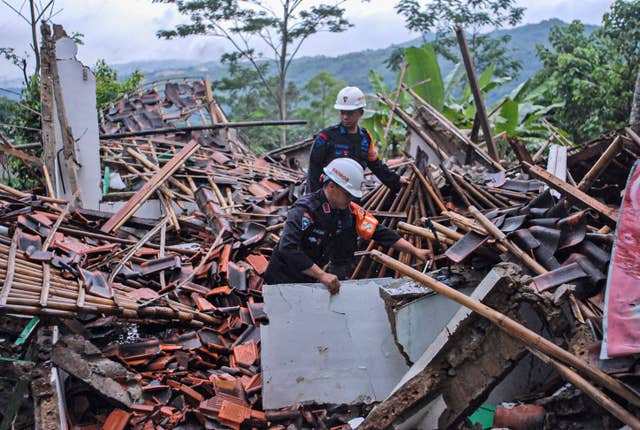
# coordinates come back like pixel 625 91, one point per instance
pixel 121 31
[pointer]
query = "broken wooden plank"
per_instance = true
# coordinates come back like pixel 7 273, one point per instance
pixel 607 156
pixel 149 188
pixel 453 129
pixel 413 124
pixel 573 193
pixel 11 267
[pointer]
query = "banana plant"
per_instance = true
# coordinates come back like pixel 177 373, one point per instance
pixel 423 76
pixel 521 112
pixel 518 114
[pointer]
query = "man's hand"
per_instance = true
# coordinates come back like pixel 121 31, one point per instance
pixel 404 180
pixel 331 281
pixel 422 254
pixel 405 246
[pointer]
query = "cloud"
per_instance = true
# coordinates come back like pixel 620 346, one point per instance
pixel 588 11
pixel 121 31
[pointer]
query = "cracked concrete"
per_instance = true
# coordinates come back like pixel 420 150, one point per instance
pixel 465 362
pixel 81 359
pixel 327 349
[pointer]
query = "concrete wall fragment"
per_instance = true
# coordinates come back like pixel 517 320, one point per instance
pixel 77 86
pixel 459 370
pixel 327 349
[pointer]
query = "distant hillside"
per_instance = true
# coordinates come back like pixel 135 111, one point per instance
pixel 354 67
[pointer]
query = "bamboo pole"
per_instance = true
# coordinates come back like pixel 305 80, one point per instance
pixel 445 230
pixel 607 156
pixel 587 388
pixel 395 100
pixel 477 94
pixel 512 328
pixel 429 188
pixel 466 200
pixel 427 234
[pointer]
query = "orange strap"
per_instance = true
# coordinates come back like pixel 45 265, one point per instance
pixel 366 223
pixel 372 152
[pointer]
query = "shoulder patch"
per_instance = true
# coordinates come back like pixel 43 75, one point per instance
pixel 306 221
pixel 326 208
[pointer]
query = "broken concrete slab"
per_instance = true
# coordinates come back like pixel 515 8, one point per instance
pixel 416 324
pixel 81 359
pixel 466 360
pixel 323 348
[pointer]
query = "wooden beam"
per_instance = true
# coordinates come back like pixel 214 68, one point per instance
pixel 594 173
pixel 477 94
pixel 150 187
pixel 572 193
pixel 444 121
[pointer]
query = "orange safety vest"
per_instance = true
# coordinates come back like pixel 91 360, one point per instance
pixel 365 222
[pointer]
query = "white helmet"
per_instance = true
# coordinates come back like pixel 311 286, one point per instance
pixel 347 173
pixel 350 98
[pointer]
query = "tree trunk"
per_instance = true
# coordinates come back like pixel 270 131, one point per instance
pixel 282 109
pixel 282 78
pixel 634 119
pixel 34 37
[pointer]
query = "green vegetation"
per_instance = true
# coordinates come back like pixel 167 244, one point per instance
pixel 579 77
pixel 108 88
pixel 593 74
pixel 22 119
pixel 517 115
pixel 354 68
pixel 283 29
pixel 441 15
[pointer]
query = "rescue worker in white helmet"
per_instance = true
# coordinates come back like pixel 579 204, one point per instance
pixel 322 228
pixel 348 139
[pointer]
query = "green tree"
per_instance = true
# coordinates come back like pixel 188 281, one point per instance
pixel 518 115
pixel 473 16
pixel 109 88
pixel 246 99
pixel 319 95
pixel 282 30
pixel 593 75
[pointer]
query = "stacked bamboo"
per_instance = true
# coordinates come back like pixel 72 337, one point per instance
pixel 24 282
pixel 422 201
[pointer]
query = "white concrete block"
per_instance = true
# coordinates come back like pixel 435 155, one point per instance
pixel 78 87
pixel 322 348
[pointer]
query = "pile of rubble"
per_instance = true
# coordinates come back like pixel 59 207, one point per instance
pixel 156 319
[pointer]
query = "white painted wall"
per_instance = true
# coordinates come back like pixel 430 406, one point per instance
pixel 78 87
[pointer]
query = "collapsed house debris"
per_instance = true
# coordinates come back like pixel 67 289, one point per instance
pixel 152 311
